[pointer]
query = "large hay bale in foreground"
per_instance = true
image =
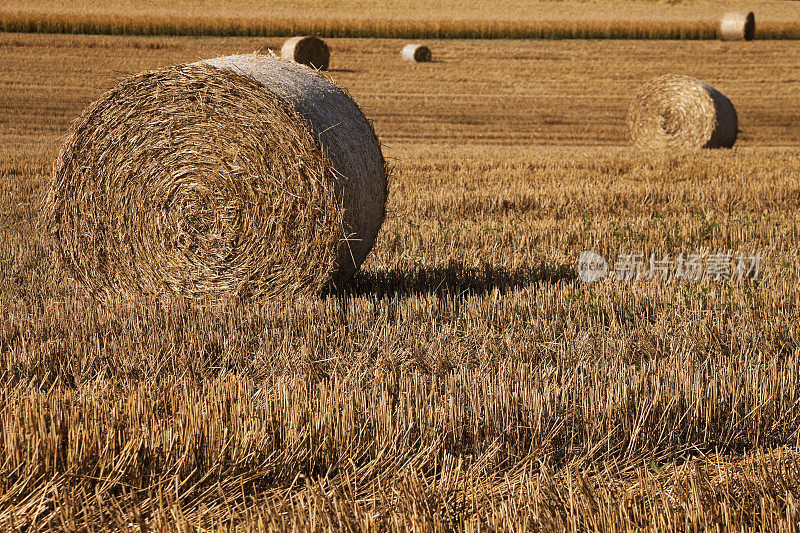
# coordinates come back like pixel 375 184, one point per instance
pixel 737 26
pixel 416 53
pixel 679 112
pixel 307 50
pixel 242 175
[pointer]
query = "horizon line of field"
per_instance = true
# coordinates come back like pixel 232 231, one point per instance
pixel 386 29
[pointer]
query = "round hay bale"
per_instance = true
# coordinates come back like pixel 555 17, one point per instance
pixel 242 175
pixel 416 53
pixel 737 26
pixel 679 112
pixel 307 50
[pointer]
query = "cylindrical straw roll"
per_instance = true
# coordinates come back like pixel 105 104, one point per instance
pixel 416 53
pixel 242 175
pixel 737 26
pixel 679 112
pixel 307 50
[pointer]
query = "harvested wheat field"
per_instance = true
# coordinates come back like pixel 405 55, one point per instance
pixel 467 378
pixel 413 19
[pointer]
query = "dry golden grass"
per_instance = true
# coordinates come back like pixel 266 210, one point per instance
pixel 466 379
pixel 651 19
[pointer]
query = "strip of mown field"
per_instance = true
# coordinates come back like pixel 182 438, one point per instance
pixel 379 28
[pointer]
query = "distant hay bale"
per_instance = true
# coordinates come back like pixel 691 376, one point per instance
pixel 679 112
pixel 242 175
pixel 307 50
pixel 737 26
pixel 417 53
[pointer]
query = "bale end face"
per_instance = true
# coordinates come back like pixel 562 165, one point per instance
pixel 307 50
pixel 681 113
pixel 240 176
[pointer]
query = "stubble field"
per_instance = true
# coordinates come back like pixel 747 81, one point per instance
pixel 467 378
pixel 482 19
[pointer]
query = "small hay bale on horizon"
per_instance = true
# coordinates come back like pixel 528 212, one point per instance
pixel 737 26
pixel 679 112
pixel 307 50
pixel 237 176
pixel 416 53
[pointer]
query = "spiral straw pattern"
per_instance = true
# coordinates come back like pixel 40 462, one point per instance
pixel 243 175
pixel 682 113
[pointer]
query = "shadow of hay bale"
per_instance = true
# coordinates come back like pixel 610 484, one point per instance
pixel 453 279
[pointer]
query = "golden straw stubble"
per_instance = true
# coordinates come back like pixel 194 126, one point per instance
pixel 681 113
pixel 200 181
